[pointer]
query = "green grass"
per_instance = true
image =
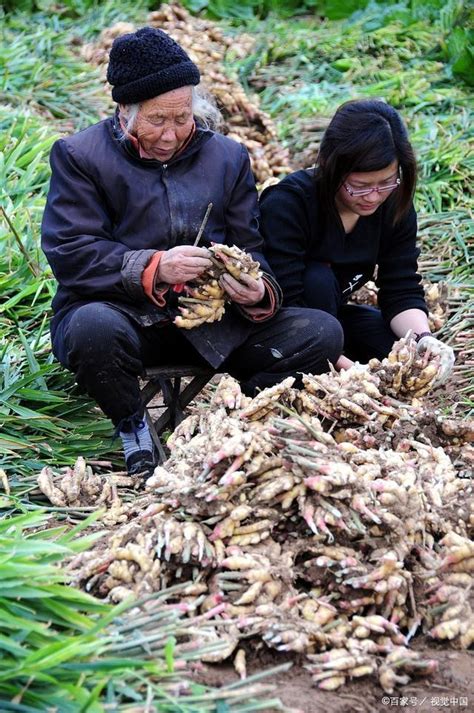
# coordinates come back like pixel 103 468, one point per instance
pixel 415 55
pixel 54 637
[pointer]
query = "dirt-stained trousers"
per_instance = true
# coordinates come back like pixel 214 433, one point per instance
pixel 108 351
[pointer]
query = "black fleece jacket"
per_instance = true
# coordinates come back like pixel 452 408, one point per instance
pixel 297 231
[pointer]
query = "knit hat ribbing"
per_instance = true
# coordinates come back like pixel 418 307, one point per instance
pixel 147 63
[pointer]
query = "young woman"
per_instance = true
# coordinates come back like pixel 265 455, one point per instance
pixel 330 229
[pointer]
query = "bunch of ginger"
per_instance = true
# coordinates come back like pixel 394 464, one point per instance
pixel 204 298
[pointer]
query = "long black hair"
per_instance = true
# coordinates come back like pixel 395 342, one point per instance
pixel 365 135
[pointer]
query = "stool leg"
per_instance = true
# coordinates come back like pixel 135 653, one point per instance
pixel 187 395
pixel 193 388
pixel 176 412
pixel 174 404
pixel 167 391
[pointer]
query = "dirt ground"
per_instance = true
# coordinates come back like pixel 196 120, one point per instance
pixel 452 687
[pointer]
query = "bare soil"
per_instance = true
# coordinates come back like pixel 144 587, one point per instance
pixel 453 682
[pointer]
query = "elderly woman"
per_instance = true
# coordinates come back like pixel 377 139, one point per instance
pixel 328 229
pixel 126 201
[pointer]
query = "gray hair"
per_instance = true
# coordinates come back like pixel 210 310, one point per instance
pixel 204 109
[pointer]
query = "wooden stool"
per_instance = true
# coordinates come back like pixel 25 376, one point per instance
pixel 167 379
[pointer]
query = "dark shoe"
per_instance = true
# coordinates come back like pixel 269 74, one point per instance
pixel 141 463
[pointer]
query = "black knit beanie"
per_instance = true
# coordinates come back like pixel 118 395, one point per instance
pixel 147 63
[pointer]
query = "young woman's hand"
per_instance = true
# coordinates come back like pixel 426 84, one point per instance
pixel 430 346
pixel 245 291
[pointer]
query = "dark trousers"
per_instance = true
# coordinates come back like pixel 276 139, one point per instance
pixel 107 351
pixel 366 334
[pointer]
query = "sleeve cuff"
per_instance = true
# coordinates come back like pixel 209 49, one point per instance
pixel 391 311
pixel 153 292
pixel 261 312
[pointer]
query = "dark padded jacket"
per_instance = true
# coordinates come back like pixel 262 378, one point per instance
pixel 108 211
pixel 296 231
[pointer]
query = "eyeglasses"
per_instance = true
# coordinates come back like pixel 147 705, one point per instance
pixel 366 191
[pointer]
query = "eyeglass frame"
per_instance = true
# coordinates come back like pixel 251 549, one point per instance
pixel 356 193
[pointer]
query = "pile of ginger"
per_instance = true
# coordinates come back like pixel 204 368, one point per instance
pixel 333 521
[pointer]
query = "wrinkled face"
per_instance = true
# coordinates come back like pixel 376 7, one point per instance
pixel 164 123
pixel 366 204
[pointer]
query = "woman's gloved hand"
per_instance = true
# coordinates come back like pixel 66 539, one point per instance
pixel 430 346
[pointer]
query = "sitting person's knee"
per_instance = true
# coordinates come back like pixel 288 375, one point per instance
pixel 321 289
pixel 318 338
pixel 328 334
pixel 93 332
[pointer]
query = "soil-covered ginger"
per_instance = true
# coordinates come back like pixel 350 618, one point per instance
pixel 204 298
pixel 330 521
